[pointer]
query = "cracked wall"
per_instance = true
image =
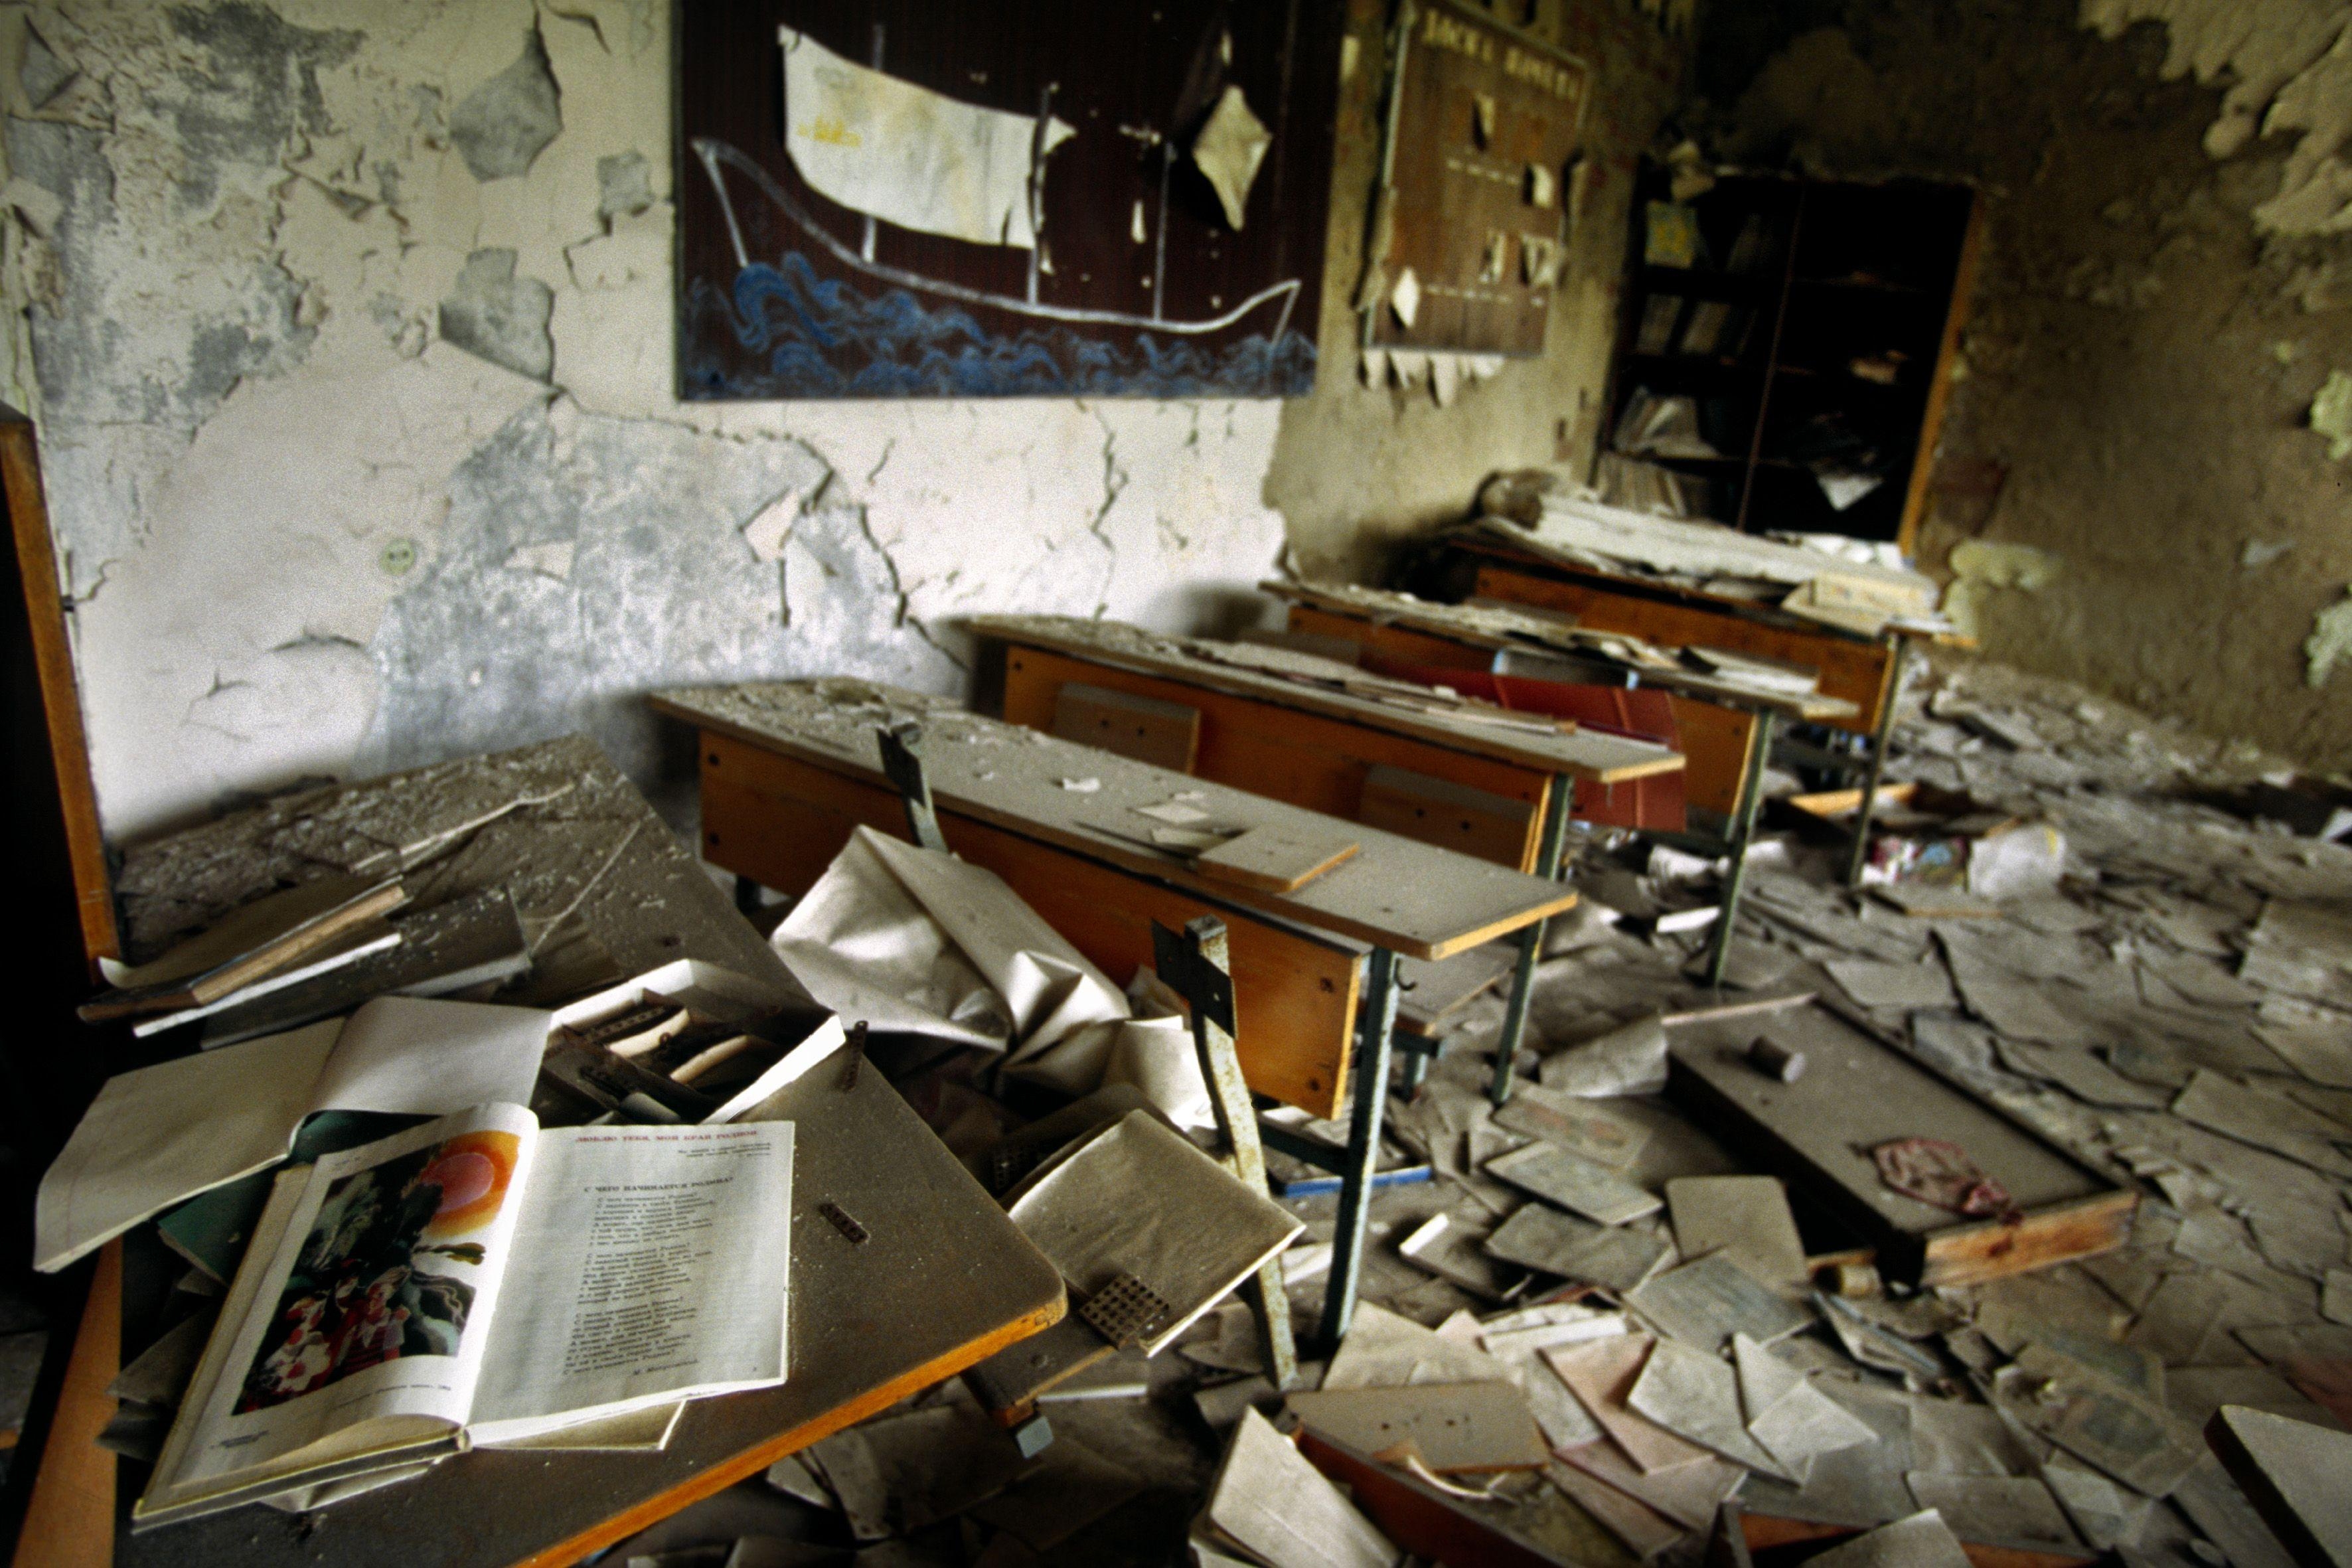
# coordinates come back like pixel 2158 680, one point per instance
pixel 1359 474
pixel 347 326
pixel 2164 291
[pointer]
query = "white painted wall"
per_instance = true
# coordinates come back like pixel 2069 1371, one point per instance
pixel 307 535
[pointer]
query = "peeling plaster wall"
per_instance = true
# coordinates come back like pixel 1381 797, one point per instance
pixel 347 325
pixel 1360 473
pixel 2165 287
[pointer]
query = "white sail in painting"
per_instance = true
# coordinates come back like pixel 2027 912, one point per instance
pixel 910 157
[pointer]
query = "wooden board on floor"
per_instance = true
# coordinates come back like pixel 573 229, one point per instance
pixel 1473 729
pixel 780 821
pixel 943 1281
pixel 1414 900
pixel 1856 1094
pixel 1855 668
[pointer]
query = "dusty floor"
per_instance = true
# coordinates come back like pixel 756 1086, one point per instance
pixel 2167 1015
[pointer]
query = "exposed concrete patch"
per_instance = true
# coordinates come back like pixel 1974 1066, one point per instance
pixel 625 184
pixel 473 657
pixel 499 316
pixel 505 123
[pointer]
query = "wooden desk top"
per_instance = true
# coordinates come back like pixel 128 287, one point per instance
pixel 1504 627
pixel 604 888
pixel 1419 900
pixel 943 1281
pixel 1515 546
pixel 1337 691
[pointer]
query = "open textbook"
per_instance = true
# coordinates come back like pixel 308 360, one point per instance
pixel 167 1132
pixel 479 1280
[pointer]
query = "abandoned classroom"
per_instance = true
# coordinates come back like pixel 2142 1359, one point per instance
pixel 1342 783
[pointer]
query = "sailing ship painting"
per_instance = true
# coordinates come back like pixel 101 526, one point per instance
pixel 872 236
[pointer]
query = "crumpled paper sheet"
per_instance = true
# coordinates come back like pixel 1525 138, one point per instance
pixel 913 941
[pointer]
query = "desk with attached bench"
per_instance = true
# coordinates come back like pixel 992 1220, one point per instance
pixel 1863 667
pixel 604 891
pixel 1727 726
pixel 790 769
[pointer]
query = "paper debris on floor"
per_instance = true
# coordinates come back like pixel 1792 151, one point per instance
pixel 1745 1218
pixel 1707 1302
pixel 1272 1504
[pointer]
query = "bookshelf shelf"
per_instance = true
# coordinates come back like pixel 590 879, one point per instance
pixel 1754 300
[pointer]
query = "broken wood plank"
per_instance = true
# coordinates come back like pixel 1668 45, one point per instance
pixel 1274 859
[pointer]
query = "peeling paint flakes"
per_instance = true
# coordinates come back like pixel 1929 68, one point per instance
pixel 1982 565
pixel 2331 413
pixel 2330 641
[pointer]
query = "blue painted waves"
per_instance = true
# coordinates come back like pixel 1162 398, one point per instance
pixel 786 333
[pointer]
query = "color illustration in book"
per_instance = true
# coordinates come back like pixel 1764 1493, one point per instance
pixel 370 1284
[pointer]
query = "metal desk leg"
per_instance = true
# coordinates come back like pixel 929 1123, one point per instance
pixel 1415 1069
pixel 1859 857
pixel 1196 963
pixel 1558 797
pixel 1377 1025
pixel 1743 829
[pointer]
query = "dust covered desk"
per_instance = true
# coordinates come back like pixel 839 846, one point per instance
pixel 602 890
pixel 790 769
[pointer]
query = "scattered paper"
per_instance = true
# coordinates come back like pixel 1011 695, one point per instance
pixel 1271 1502
pixel 1552 1242
pixel 1922 1541
pixel 1707 1302
pixel 1554 1175
pixel 1745 1218
pixel 1696 1397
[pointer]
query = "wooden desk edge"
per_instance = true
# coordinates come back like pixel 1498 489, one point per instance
pixel 1809 707
pixel 718 1476
pixel 1461 738
pixel 70 1518
pixel 1231 893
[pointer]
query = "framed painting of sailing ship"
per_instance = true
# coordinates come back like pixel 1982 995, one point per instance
pixel 1479 178
pixel 931 198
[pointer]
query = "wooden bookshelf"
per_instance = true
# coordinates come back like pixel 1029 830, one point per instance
pixel 1813 325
